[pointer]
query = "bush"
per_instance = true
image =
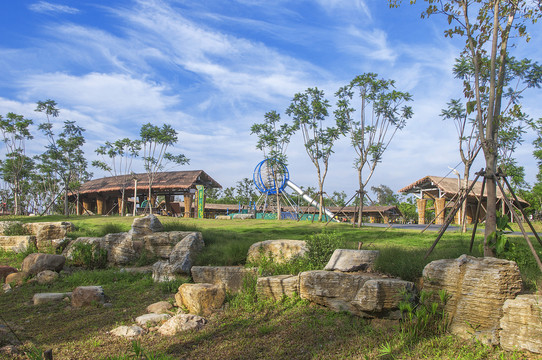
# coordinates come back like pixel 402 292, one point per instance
pixel 89 256
pixel 321 246
pixel 16 229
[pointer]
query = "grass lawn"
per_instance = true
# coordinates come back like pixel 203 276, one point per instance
pixel 247 328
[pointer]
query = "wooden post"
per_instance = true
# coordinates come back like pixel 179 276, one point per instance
pixel 421 204
pixel 122 205
pixel 187 205
pixel 440 205
pixel 86 205
pixel 99 206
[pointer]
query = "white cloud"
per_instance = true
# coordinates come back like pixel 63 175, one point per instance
pixel 47 7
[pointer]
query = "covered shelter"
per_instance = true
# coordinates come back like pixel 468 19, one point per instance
pixel 104 196
pixel 446 192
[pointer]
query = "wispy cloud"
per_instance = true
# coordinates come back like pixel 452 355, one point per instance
pixel 47 7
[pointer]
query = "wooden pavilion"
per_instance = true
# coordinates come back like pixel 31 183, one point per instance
pixel 445 192
pixel 104 196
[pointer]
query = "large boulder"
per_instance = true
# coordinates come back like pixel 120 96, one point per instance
pixel 146 225
pixel 232 278
pixel 49 234
pixel 37 262
pixel 478 288
pixel 87 295
pixel 522 324
pixel 161 244
pixel 5 271
pixel 17 244
pixel 200 299
pixel 180 323
pixel 120 248
pixel 276 287
pixel 361 294
pixel 352 260
pixel 279 250
pixel 181 258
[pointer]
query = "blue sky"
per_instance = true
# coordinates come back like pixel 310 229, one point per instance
pixel 213 68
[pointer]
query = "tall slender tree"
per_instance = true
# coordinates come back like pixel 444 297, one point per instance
pixel 382 112
pixel 488 27
pixel 309 110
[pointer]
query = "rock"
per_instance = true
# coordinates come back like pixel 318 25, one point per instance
pixel 149 320
pixel 120 248
pixel 94 241
pixel 522 324
pixel 200 299
pixel 87 295
pixel 138 270
pixel 17 244
pixel 6 288
pixel 352 260
pixel 180 259
pixel 180 323
pixel 162 244
pixel 127 331
pixel 223 217
pixel 361 294
pixel 46 277
pixel 478 288
pixel 37 262
pixel 146 225
pixel 7 224
pixel 160 307
pixel 49 234
pixel 5 271
pixel 230 277
pixel 243 216
pixel 9 350
pixel 275 287
pixel 16 278
pixel 44 298
pixel 279 250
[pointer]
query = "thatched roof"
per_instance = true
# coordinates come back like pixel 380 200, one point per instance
pixel 170 182
pixel 448 187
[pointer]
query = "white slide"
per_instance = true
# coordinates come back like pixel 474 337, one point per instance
pixel 310 200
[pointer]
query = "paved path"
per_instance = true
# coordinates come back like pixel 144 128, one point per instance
pixel 437 228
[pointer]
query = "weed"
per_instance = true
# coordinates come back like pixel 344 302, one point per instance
pixel 321 246
pixel 16 229
pixel 172 286
pixel 89 256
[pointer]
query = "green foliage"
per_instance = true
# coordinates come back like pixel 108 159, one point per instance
pixel 172 286
pixel 89 256
pixel 269 266
pixel 139 353
pixel 16 229
pixel 425 317
pixel 497 240
pixel 321 246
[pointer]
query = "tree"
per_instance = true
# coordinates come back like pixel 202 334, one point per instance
pixel 273 140
pixel 120 155
pixel 64 154
pixel 155 142
pixel 246 191
pixel 17 165
pixel 385 196
pixel 382 113
pixel 309 111
pixel 487 27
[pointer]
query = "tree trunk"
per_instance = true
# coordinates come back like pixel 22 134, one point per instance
pixel 149 200
pixel 463 217
pixel 66 207
pixel 491 205
pixel 279 212
pixel 361 190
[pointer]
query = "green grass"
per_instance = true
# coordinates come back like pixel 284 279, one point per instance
pixel 248 328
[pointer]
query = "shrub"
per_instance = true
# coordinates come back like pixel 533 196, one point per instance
pixel 89 256
pixel 16 229
pixel 321 246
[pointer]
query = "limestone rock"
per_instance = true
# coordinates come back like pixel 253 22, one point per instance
pixel 522 324
pixel 478 288
pixel 200 299
pixel 365 295
pixel 120 248
pixel 275 287
pixel 230 277
pixel 7 224
pixel 5 271
pixel 180 259
pixel 279 250
pixel 243 216
pixel 149 320
pixel 127 331
pixel 94 241
pixel 146 225
pixel 16 278
pixel 160 307
pixel 352 260
pixel 43 298
pixel 17 244
pixel 37 262
pixel 49 233
pixel 87 295
pixel 162 244
pixel 180 323
pixel 46 276
pixel 223 217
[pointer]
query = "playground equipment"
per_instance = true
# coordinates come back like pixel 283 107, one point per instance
pixel 271 177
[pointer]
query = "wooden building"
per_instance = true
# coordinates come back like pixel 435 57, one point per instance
pixel 103 196
pixel 445 193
